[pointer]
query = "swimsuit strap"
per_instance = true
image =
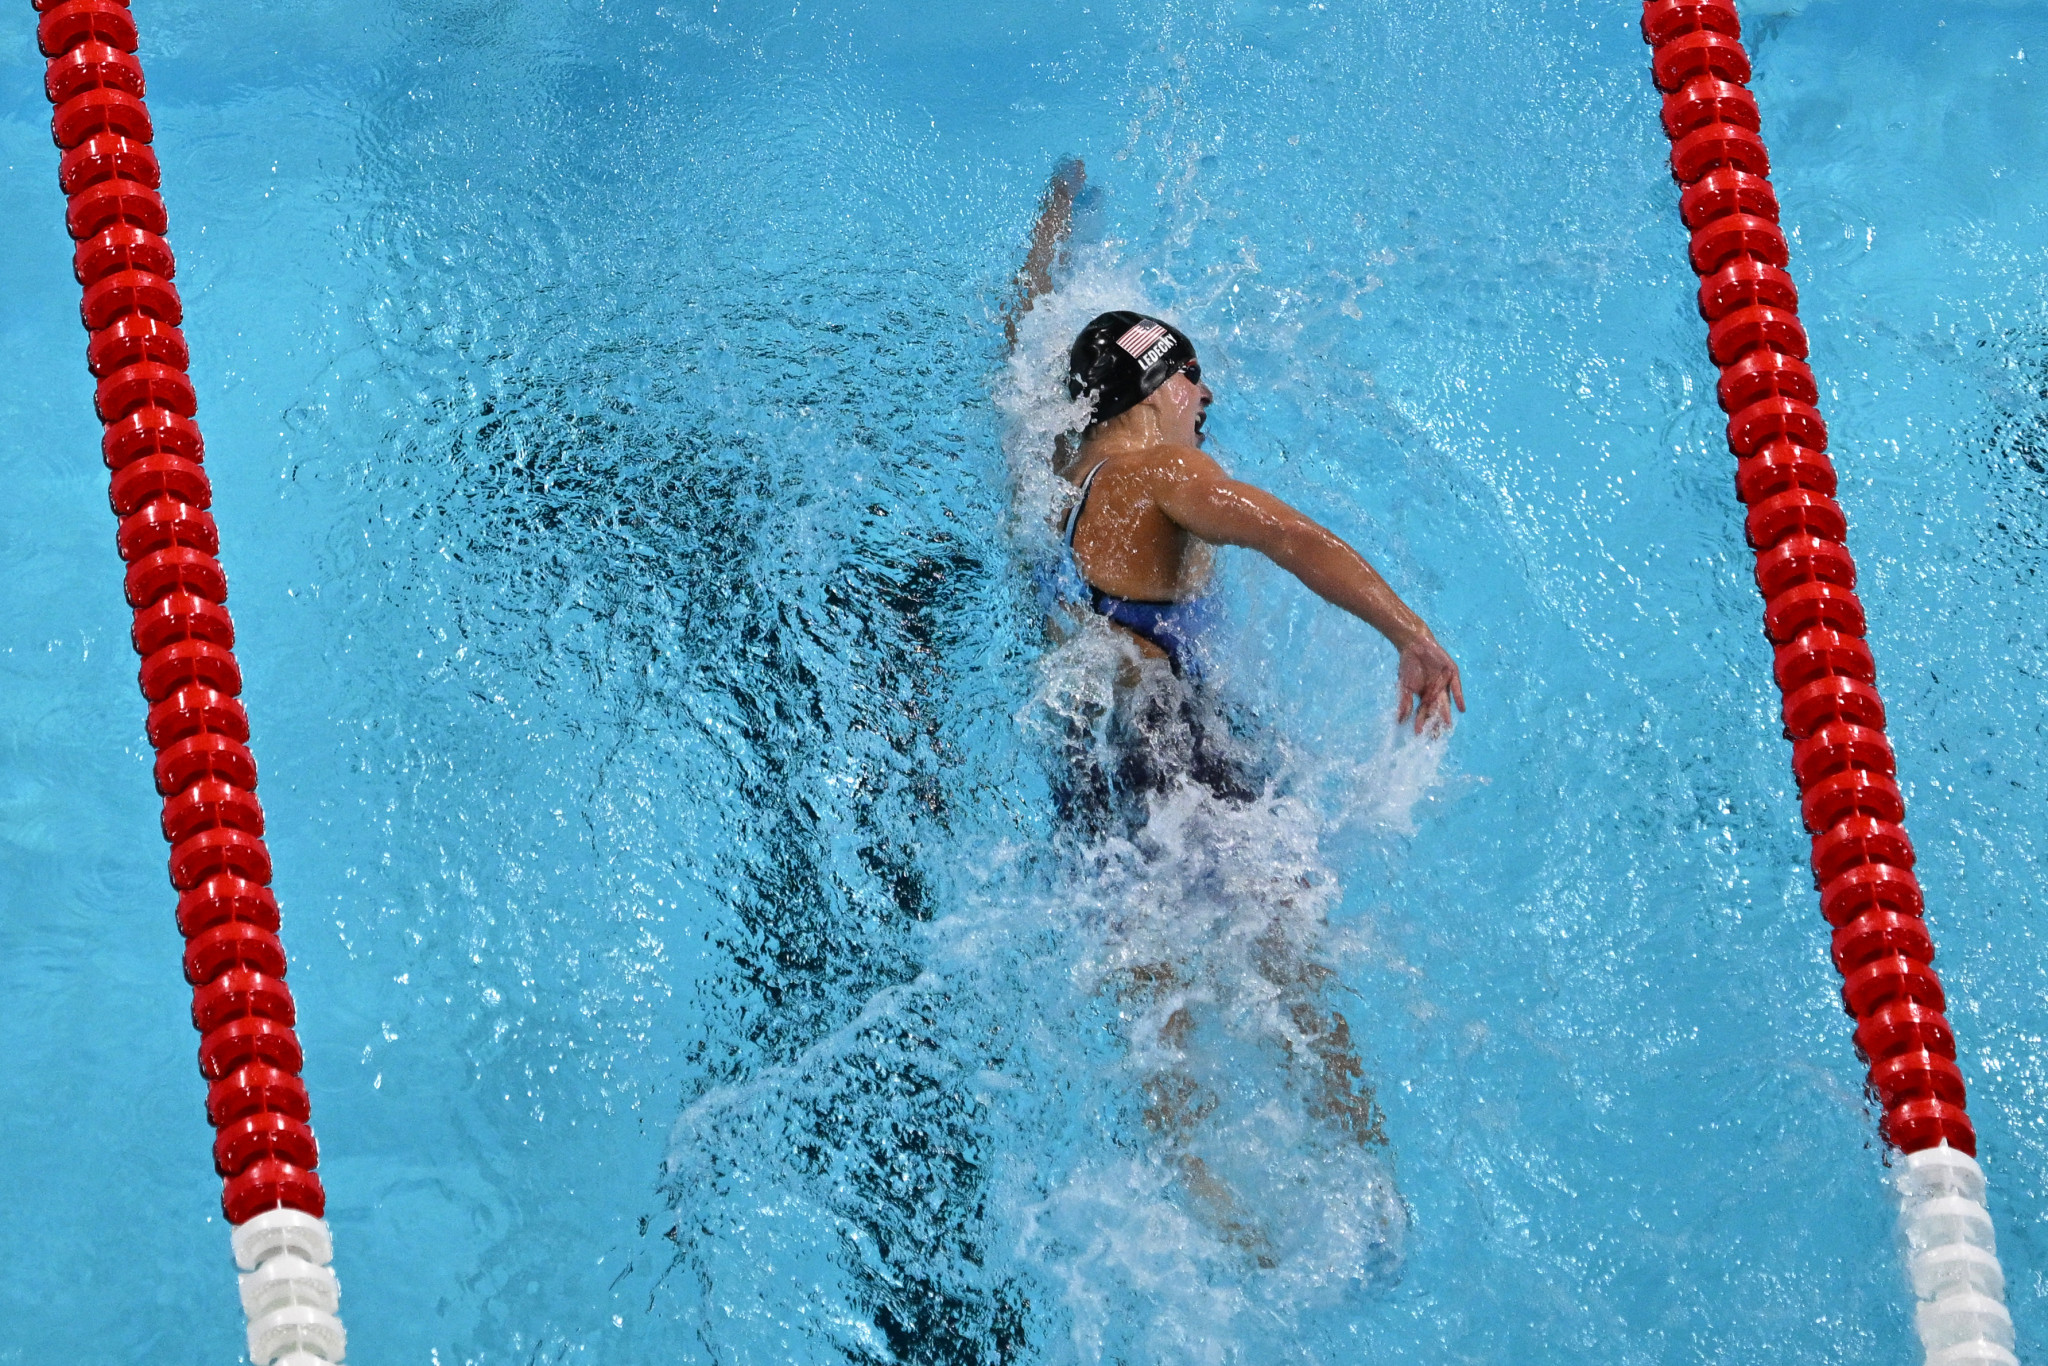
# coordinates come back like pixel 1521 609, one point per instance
pixel 1074 517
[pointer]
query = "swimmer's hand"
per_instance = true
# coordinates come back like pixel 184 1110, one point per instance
pixel 1429 684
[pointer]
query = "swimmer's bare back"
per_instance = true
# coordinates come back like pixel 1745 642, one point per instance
pixel 1158 503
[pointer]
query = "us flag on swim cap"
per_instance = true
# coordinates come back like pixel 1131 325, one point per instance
pixel 1140 338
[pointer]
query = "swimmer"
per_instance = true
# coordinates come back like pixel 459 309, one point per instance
pixel 1150 507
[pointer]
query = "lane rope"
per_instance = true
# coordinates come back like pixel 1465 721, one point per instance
pixel 1846 770
pixel 249 1053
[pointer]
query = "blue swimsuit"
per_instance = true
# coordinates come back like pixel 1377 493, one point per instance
pixel 1175 627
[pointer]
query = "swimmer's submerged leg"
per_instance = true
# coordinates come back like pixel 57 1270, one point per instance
pixel 1343 1096
pixel 1175 1104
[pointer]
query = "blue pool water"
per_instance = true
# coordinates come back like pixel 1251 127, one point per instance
pixel 630 507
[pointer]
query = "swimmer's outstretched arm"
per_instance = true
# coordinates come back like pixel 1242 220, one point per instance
pixel 1199 497
pixel 1048 235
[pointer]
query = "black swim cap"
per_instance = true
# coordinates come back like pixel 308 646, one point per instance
pixel 1120 358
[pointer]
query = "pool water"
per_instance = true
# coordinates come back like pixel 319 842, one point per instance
pixel 631 505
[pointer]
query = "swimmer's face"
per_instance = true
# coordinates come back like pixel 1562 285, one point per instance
pixel 1183 404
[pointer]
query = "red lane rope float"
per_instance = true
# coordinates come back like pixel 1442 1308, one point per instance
pixel 1806 574
pixel 1844 764
pixel 249 1054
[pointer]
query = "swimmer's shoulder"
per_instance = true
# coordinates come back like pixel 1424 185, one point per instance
pixel 1143 474
pixel 1166 458
pixel 1175 464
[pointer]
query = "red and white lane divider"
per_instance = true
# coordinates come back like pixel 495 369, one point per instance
pixel 1849 796
pixel 248 1052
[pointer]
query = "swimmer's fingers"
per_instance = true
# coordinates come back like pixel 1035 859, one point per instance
pixel 1429 713
pixel 1434 709
pixel 1426 699
pixel 1437 715
pixel 1429 686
